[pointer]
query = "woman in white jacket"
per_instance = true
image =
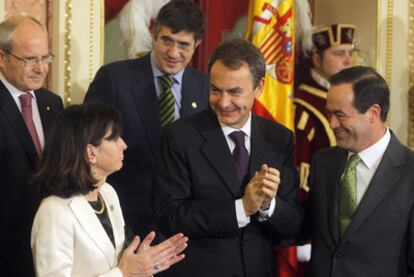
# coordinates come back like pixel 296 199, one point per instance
pixel 78 229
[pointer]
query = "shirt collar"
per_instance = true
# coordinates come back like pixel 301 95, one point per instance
pixel 319 79
pixel 15 92
pixel 246 128
pixel 157 72
pixel 374 153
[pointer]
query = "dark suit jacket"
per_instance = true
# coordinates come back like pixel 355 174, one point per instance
pixel 18 200
pixel 380 239
pixel 196 190
pixel 129 86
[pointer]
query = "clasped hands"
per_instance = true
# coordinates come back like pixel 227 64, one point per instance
pixel 142 259
pixel 261 189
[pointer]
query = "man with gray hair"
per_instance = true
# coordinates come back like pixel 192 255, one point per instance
pixel 26 112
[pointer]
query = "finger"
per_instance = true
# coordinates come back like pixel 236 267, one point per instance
pixel 168 263
pixel 133 245
pixel 146 243
pixel 169 243
pixel 263 169
pixel 274 171
pixel 270 193
pixel 269 178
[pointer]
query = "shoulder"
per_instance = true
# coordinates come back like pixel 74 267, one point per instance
pixel 109 190
pixel 193 73
pixel 119 67
pixel 271 128
pixel 53 208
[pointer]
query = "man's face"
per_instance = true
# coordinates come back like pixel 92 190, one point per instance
pixel 29 41
pixel 232 94
pixel 352 129
pixel 333 60
pixel 173 51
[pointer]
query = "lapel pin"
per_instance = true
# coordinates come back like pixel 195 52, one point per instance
pixel 194 105
pixel 111 207
pixel 47 108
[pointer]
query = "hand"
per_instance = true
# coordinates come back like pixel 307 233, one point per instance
pixel 253 197
pixel 271 180
pixel 142 259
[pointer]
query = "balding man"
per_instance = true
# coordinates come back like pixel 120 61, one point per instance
pixel 26 111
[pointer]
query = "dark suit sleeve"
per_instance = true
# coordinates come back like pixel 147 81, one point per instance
pixel 101 89
pixel 185 203
pixel 410 246
pixel 286 220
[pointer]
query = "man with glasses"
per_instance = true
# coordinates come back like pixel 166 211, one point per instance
pixel 151 92
pixel 26 112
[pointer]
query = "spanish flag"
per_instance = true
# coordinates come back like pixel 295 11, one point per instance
pixel 270 27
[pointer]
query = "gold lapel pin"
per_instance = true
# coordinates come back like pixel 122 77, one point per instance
pixel 194 105
pixel 111 207
pixel 47 108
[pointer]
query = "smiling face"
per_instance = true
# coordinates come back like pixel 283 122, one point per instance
pixel 353 130
pixel 173 51
pixel 232 94
pixel 29 41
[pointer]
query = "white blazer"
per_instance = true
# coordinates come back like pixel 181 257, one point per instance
pixel 69 240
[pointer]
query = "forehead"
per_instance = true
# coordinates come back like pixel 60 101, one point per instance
pixel 29 37
pixel 340 97
pixel 340 47
pixel 221 74
pixel 182 36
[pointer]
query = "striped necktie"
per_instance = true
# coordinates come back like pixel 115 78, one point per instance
pixel 166 101
pixel 348 193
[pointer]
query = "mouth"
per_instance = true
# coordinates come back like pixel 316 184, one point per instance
pixel 340 133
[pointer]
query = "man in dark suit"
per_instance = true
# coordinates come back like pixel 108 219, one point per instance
pixel 26 112
pixel 226 177
pixel 361 197
pixel 135 87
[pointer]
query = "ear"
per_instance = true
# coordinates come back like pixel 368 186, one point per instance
pixel 197 43
pixel 90 151
pixel 374 113
pixel 316 60
pixel 259 88
pixel 2 58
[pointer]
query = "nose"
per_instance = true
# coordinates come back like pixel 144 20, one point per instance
pixel 224 100
pixel 40 67
pixel 348 59
pixel 173 51
pixel 122 144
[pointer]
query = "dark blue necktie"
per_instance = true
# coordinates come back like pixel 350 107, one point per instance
pixel 240 154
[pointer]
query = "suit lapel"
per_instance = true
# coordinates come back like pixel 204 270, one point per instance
pixel 189 99
pixel 116 221
pixel 44 110
pixel 334 170
pixel 217 153
pixel 384 179
pixel 10 110
pixel 92 226
pixel 143 90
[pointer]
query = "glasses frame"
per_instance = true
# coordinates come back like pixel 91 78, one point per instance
pixel 32 61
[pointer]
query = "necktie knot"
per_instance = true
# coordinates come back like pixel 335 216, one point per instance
pixel 26 100
pixel 353 161
pixel 238 138
pixel 166 81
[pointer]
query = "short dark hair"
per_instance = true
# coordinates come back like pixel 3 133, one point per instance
pixel 180 16
pixel 64 168
pixel 234 53
pixel 369 88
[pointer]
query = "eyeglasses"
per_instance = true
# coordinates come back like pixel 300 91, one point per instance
pixel 169 42
pixel 32 61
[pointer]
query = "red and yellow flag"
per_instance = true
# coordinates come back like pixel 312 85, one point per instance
pixel 270 28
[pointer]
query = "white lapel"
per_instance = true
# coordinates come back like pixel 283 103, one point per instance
pixel 115 215
pixel 93 227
